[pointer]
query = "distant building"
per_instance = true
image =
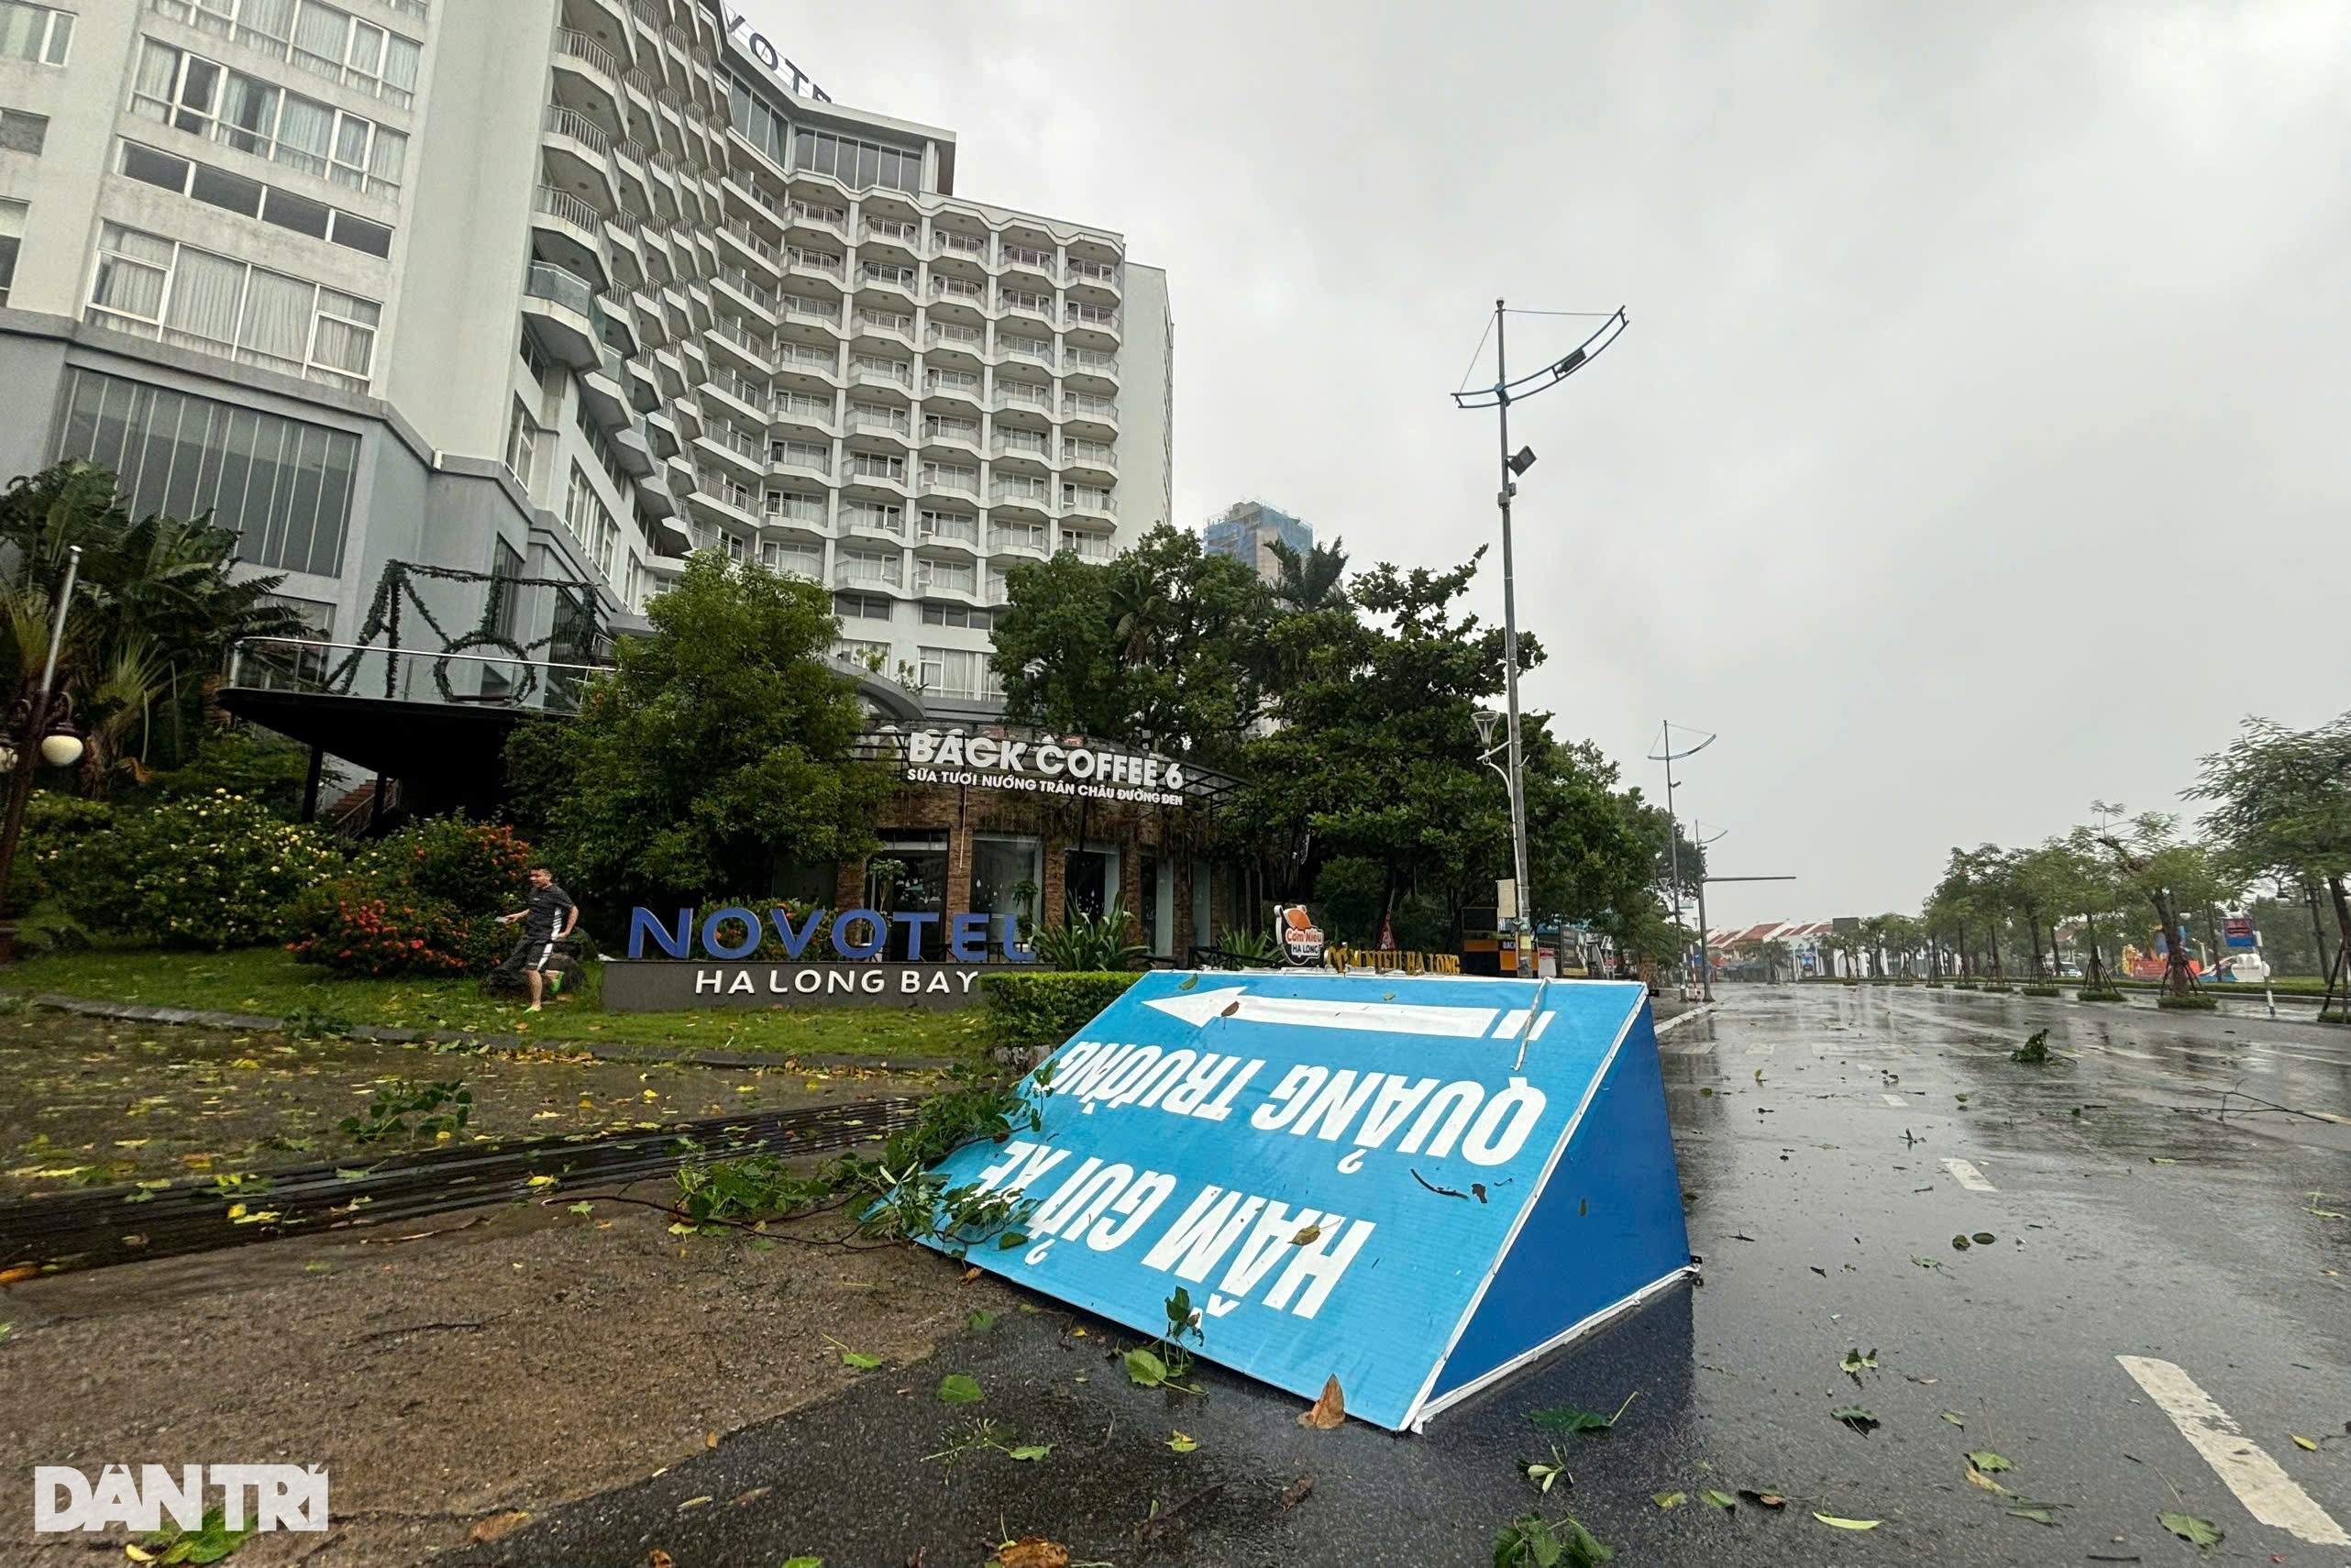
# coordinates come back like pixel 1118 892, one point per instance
pixel 1248 531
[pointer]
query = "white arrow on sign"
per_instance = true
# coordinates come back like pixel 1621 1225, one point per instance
pixel 1197 1008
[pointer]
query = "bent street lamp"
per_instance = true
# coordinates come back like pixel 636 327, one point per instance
pixel 1499 397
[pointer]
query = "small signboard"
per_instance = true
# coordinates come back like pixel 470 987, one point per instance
pixel 1414 1186
pixel 2236 929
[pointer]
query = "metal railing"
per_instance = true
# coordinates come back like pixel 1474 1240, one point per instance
pixel 579 45
pixel 566 207
pixel 560 121
pixel 893 229
pixel 801 405
pixel 945 334
pixel 1083 272
pixel 1026 256
pixel 727 327
pixel 1077 313
pixel 803 356
pixel 1090 454
pixel 1093 361
pixel 319 667
pixel 1087 405
pixel 947 241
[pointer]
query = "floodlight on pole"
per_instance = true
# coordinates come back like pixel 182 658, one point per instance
pixel 1499 397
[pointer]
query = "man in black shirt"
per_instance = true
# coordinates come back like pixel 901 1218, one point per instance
pixel 547 919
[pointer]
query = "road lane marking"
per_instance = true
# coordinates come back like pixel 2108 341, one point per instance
pixel 1896 1101
pixel 1758 1050
pixel 1966 1175
pixel 2267 1493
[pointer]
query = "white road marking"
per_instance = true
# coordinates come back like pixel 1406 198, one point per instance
pixel 1758 1050
pixel 1896 1101
pixel 2267 1493
pixel 1966 1175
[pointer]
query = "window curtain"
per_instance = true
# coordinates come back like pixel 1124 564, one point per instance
pixel 386 158
pixel 400 63
pixel 273 18
pixel 305 132
pixel 367 49
pixel 277 320
pixel 249 113
pixel 20 31
pixel 157 65
pixel 206 291
pixel 131 270
pixel 322 30
pixel 351 152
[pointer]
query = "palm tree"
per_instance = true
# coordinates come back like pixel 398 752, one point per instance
pixel 156 611
pixel 1139 606
pixel 1311 581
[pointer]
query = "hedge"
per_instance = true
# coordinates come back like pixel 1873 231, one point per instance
pixel 1046 1008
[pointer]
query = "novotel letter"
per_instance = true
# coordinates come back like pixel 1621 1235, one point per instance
pixel 963 936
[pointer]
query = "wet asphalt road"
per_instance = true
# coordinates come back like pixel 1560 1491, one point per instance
pixel 2130 1220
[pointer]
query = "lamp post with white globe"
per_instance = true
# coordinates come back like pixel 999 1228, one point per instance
pixel 35 727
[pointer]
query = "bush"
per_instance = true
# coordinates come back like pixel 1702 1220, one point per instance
pixel 1996 986
pixel 1350 893
pixel 2099 993
pixel 424 900
pixel 2037 989
pixel 270 772
pixel 476 869
pixel 2189 1001
pixel 214 872
pixel 1031 1009
pixel 66 824
pixel 1091 944
pixel 359 925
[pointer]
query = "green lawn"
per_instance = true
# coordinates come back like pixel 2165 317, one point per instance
pixel 268 980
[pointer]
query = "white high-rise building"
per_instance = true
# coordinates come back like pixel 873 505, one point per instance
pixel 429 296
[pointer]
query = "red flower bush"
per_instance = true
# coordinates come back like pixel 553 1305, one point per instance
pixel 423 901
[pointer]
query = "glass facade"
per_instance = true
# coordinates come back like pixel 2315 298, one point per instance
pixel 860 165
pixel 283 484
pixel 1006 874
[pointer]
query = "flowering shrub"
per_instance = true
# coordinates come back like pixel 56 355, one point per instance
pixel 216 871
pixel 474 868
pixel 422 901
pixel 355 925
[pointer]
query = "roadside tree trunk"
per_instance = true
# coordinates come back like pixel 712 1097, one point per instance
pixel 2177 980
pixel 2033 920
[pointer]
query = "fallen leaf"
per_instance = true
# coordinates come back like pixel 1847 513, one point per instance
pixel 1669 1500
pixel 1144 1369
pixel 1722 1500
pixel 1960 1244
pixel 1957 1417
pixel 581 1208
pixel 1855 1359
pixel 1835 1523
pixel 1031 1552
pixel 859 1359
pixel 1983 1459
pixel 981 1320
pixel 1181 1444
pixel 2196 1532
pixel 1306 1235
pixel 710 1439
pixel 957 1390
pixel 1764 1496
pixel 1330 1407
pixel 803 1562
pixel 542 1181
pixel 1030 1451
pixel 2299 1441
pixel 1860 1418
pixel 694 1501
pixel 1297 1492
pixel 657 1557
pixel 1984 1238
pixel 971 1273
pixel 2035 1512
pixel 1978 1478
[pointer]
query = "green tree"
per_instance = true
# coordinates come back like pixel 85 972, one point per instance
pixel 1164 646
pixel 2170 874
pixel 155 611
pixel 2281 808
pixel 717 746
pixel 1314 580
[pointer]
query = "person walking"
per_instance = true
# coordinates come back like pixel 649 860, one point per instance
pixel 548 919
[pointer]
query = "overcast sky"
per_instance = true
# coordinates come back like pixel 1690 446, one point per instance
pixel 1979 446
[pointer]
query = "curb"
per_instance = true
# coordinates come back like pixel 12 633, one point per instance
pixel 137 1012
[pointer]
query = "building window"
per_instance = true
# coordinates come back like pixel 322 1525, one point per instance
pixel 35 32
pixel 863 567
pixel 956 615
pixel 793 560
pixel 952 672
pixel 1006 874
pixel 758 123
pixel 284 485
pixel 191 298
pixel 522 443
pixel 207 99
pixel 861 607
pixel 959 577
pixel 21 132
pixel 341 48
pixel 860 165
pixel 218 188
pixel 871 655
pixel 12 233
pixel 590 524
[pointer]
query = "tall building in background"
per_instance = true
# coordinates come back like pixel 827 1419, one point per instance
pixel 1248 531
pixel 487 311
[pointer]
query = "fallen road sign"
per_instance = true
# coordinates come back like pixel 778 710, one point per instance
pixel 1414 1185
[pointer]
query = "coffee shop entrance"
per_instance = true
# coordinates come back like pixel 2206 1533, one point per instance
pixel 1005 820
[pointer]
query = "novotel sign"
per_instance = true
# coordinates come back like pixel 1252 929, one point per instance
pixel 1039 767
pixel 767 54
pixel 843 968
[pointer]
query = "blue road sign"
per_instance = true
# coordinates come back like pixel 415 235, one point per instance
pixel 1413 1185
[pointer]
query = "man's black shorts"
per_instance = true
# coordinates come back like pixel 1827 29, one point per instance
pixel 532 953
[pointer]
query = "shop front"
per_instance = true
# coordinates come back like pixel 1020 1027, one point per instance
pixel 1033 826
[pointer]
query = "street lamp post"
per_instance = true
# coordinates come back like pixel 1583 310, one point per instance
pixel 29 730
pixel 1523 946
pixel 1673 838
pixel 1499 397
